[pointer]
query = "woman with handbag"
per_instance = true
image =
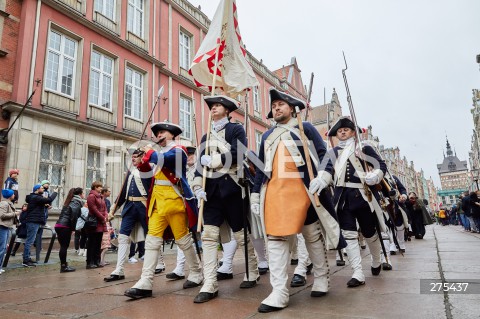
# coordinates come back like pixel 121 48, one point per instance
pixel 96 209
pixel 8 217
pixel 66 224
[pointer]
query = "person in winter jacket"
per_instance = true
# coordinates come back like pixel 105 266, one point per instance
pixel 66 224
pixel 7 220
pixel 35 218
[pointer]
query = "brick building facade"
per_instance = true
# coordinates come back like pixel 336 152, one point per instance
pixel 97 67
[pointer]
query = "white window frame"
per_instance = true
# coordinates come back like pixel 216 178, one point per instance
pixel 98 168
pixel 61 60
pixel 49 163
pixel 136 91
pixel 185 116
pixel 256 100
pixel 102 5
pixel 102 77
pixel 184 50
pixel 134 11
pixel 258 140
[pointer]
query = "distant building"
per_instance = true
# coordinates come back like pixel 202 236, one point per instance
pixel 454 178
pixel 319 115
pixel 453 172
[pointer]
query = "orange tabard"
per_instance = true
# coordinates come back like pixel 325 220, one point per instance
pixel 286 199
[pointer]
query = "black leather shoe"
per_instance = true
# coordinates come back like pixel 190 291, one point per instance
pixel 386 266
pixel 354 282
pixel 363 247
pixel 340 262
pixel 262 271
pixel 190 284
pixel 114 278
pixel 293 262
pixel 265 309
pixel 248 284
pixel 393 252
pixel 136 293
pixel 224 276
pixel 205 296
pixel 402 250
pixel 376 271
pixel 317 294
pixel 309 268
pixel 174 276
pixel 92 266
pixel 66 269
pixel 298 281
pixel 160 270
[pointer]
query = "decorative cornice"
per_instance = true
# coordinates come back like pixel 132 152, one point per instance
pixel 192 13
pixel 71 120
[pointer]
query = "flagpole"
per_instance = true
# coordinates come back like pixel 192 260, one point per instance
pixel 209 129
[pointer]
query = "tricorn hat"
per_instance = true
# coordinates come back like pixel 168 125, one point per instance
pixel 191 150
pixel 229 103
pixel 344 121
pixel 166 126
pixel 291 100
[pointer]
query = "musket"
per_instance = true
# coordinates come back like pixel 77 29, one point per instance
pixel 309 97
pixel 245 191
pixel 307 152
pixel 367 190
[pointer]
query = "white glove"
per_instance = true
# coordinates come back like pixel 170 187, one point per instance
pixel 255 203
pixel 200 194
pixel 206 160
pixel 372 179
pixel 317 185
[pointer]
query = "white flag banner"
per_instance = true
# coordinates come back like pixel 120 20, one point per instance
pixel 234 73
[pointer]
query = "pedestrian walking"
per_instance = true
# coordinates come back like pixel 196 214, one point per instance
pixel 8 218
pixel 66 224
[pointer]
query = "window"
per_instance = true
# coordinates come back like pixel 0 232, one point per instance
pixel 61 63
pixel 135 17
pixel 184 50
pixel 186 117
pixel 106 8
pixel 95 168
pixel 256 100
pixel 101 75
pixel 52 167
pixel 258 141
pixel 133 94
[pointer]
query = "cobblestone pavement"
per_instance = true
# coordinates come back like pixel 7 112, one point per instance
pixel 446 253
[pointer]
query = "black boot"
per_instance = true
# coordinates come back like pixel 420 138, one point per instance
pixel 136 293
pixel 66 268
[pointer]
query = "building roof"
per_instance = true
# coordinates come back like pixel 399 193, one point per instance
pixel 451 163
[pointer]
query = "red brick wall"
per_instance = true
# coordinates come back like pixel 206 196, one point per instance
pixel 8 42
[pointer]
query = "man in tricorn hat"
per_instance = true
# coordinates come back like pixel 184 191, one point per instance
pixel 179 271
pixel 280 196
pixel 222 194
pixel 133 197
pixel 352 197
pixel 172 207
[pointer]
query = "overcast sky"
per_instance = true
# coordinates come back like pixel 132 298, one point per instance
pixel 411 63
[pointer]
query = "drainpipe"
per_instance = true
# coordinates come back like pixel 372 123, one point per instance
pixel 34 49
